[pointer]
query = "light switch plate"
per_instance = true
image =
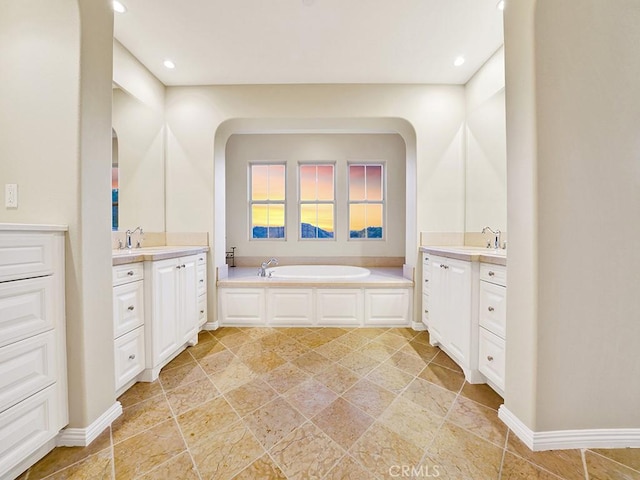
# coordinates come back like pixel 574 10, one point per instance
pixel 11 195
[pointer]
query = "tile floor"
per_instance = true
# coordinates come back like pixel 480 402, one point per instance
pixel 323 403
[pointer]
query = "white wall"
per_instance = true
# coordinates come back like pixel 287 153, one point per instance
pixel 574 188
pixel 55 117
pixel 337 148
pixel 486 148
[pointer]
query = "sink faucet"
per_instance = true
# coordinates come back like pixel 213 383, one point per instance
pixel 497 233
pixel 129 233
pixel 262 271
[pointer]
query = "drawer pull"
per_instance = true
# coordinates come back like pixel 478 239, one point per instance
pixel 132 356
pixel 201 312
pixel 490 358
pixel 131 308
pixel 178 267
pixel 444 266
pixel 491 309
pixel 426 311
pixel 183 266
pixel 200 259
pixel 201 281
pixel 491 273
pixel 426 280
pixel 130 273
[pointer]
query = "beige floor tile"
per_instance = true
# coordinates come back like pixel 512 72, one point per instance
pixel 258 333
pixel 564 463
pixel 217 362
pixel 290 351
pixel 348 469
pixel 445 360
pixel 463 455
pixel 204 349
pixel 478 419
pixel 443 377
pixel 179 467
pixel 334 350
pixel 431 397
pixel 359 363
pixel 250 349
pixel 343 422
pixel 297 332
pixel 233 376
pixel 516 468
pixel 422 350
pixel 191 395
pixel 276 338
pixel 314 340
pixel 370 333
pixel 337 378
pixel 234 341
pixel 380 449
pixel 406 333
pixel 227 453
pixel 377 350
pixel 369 397
pixel 285 377
pixel 178 376
pixel 274 421
pixel 306 453
pixel 205 421
pixel 263 468
pixel 62 457
pixel 626 456
pixel 603 468
pixel 414 423
pixel 422 337
pixel 140 454
pixel 483 394
pixel 390 378
pixel 224 332
pixel 391 340
pixel 95 467
pixel 140 417
pixel 312 363
pixel 250 396
pixel 411 364
pixel 264 362
pixel 183 358
pixel 140 392
pixel 353 340
pixel 310 397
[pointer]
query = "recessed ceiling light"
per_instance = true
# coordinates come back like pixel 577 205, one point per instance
pixel 118 7
pixel 169 64
pixel 458 61
pixel 500 5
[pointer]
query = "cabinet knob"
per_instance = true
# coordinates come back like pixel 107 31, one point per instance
pixel 490 358
pixel 183 266
pixel 200 259
pixel 491 273
pixel 201 312
pixel 426 311
pixel 426 280
pixel 131 308
pixel 178 267
pixel 491 309
pixel 201 281
pixel 132 356
pixel 130 273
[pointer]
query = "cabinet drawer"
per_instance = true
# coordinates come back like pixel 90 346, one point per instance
pixel 425 309
pixel 491 357
pixel 27 367
pixel 201 284
pixel 27 307
pixel 493 273
pixel 129 356
pixel 493 308
pixel 128 307
pixel 202 310
pixel 27 426
pixel 24 255
pixel 131 272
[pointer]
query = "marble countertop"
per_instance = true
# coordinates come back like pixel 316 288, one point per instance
pixel 470 254
pixel 133 255
pixel 379 277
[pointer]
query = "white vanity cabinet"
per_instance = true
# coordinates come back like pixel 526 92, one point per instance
pixel 492 312
pixel 451 319
pixel 128 323
pixel 426 289
pixel 33 368
pixel 171 306
pixel 201 267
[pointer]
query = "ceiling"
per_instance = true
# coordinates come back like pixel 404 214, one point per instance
pixel 310 41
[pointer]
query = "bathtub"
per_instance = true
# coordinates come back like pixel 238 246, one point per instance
pixel 325 272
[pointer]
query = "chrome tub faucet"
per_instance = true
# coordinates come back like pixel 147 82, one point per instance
pixel 129 233
pixel 262 271
pixel 497 243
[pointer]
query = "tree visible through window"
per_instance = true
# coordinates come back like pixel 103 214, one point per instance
pixel 317 201
pixel 267 201
pixel 366 201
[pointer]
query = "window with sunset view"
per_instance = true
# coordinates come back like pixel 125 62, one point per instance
pixel 317 201
pixel 366 201
pixel 267 202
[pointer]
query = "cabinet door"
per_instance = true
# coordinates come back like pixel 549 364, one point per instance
pixel 437 299
pixel 188 299
pixel 458 299
pixel 165 309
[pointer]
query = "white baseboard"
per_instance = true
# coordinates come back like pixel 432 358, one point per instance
pixel 569 439
pixel 211 326
pixel 418 326
pixel 81 437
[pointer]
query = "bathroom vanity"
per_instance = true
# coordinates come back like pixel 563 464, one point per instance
pixel 159 304
pixel 464 308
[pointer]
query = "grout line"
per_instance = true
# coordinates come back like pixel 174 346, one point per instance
pixel 584 463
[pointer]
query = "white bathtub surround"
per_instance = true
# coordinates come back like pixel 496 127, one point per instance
pixel 360 261
pixel 315 272
pixel 381 298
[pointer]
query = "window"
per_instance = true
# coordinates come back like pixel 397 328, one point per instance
pixel 267 200
pixel 317 201
pixel 366 201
